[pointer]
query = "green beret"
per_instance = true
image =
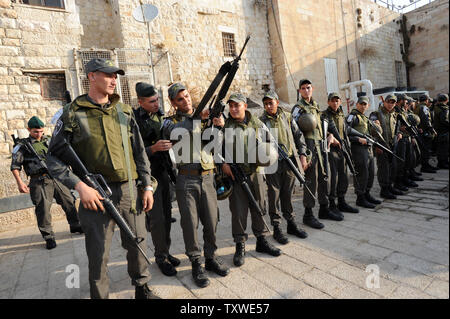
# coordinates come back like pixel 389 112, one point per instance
pixel 35 122
pixel 145 89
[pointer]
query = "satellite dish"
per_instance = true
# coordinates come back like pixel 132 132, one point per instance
pixel 149 10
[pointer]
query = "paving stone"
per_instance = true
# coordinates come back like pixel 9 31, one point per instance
pixel 438 288
pixel 403 292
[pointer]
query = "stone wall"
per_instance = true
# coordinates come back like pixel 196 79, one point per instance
pixel 428 30
pixel 352 32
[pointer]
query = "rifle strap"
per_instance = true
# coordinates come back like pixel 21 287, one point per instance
pixel 123 120
pixel 291 141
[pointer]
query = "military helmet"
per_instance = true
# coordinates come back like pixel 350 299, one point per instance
pixel 307 122
pixel 414 119
pixel 224 186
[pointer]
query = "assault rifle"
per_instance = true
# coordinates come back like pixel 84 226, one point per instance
pixel 97 182
pixel 229 69
pixel 242 179
pixel 324 147
pixel 371 141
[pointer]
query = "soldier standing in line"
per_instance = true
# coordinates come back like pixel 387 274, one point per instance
pixel 441 125
pixel 387 117
pixel 42 187
pixel 338 166
pixel 427 132
pixel 362 154
pixel 196 193
pixel 93 125
pixel 405 146
pixel 281 183
pixel 158 221
pixel 241 120
pixel 308 116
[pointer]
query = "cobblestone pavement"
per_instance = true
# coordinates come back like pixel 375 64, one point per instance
pixel 405 240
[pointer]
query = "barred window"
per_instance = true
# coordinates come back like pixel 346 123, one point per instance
pixel 53 85
pixel 43 3
pixel 229 44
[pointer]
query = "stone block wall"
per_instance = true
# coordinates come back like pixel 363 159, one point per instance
pixel 428 30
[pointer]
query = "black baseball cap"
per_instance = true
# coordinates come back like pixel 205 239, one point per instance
pixel 303 81
pixel 103 65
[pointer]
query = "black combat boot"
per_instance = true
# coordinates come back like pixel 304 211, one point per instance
pixel 279 236
pixel 263 246
pixel 409 183
pixel 372 199
pixel 395 191
pixel 76 229
pixel 385 193
pixel 346 208
pixel 198 273
pixel 326 213
pixel 415 178
pixel 427 168
pixel 310 220
pixel 144 292
pixel 401 187
pixel 239 255
pixel 166 267
pixel 50 243
pixel 216 264
pixel 292 229
pixel 442 165
pixel 362 201
pixel 173 260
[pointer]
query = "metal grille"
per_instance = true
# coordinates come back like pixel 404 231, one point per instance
pixel 229 44
pixel 399 73
pixel 135 63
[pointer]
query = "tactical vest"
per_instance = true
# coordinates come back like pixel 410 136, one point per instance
pixel 388 121
pixel 314 109
pixel 96 137
pixel 441 118
pixel 277 121
pixel 240 127
pixel 206 160
pixel 362 125
pixel 338 119
pixel 31 164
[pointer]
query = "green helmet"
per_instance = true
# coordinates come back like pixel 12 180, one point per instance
pixel 307 122
pixel 224 186
pixel 414 119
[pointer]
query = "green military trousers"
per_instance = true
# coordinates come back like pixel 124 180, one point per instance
pixel 158 219
pixel 197 200
pixel 315 179
pixel 365 168
pixel 280 186
pixel 42 191
pixel 338 174
pixel 240 205
pixel 99 230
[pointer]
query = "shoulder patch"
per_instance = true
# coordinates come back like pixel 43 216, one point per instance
pixel 59 125
pixel 16 148
pixel 350 118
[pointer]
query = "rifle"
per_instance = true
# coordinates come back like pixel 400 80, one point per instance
pixel 324 147
pixel 284 156
pixel 229 69
pixel 242 179
pixel 371 141
pixel 97 182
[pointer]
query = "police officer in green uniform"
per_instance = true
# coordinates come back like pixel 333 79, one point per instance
pixel 426 131
pixel 307 110
pixel 387 118
pixel 93 124
pixel 362 154
pixel 245 125
pixel 416 152
pixel 405 146
pixel 149 118
pixel 441 125
pixel 338 167
pixel 281 183
pixel 42 187
pixel 195 190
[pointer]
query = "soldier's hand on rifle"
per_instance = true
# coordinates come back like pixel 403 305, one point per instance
pixel 227 170
pixel 333 141
pixel 363 141
pixel 23 188
pixel 377 122
pixel 304 162
pixel 204 114
pixel 399 135
pixel 219 121
pixel 161 145
pixel 147 200
pixel 89 197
